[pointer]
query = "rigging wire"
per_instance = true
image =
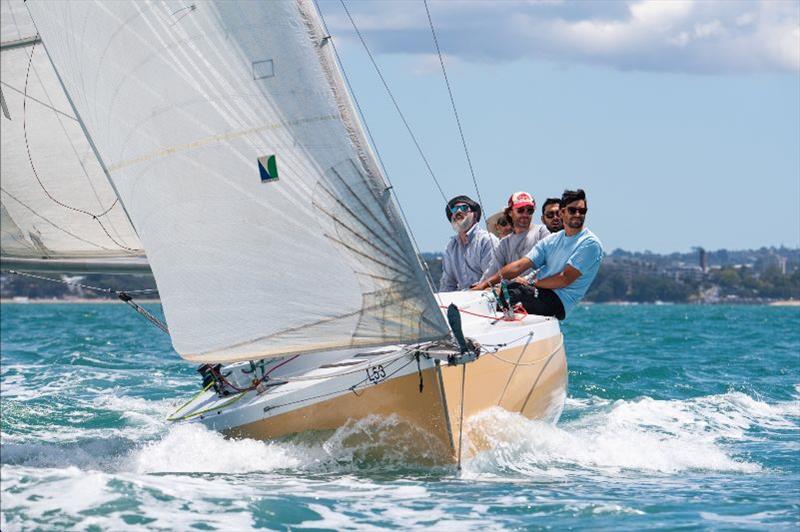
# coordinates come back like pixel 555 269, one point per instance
pixel 94 216
pixel 453 104
pixel 86 286
pixel 122 295
pixel 394 100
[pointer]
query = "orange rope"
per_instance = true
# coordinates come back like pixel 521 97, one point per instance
pixel 518 309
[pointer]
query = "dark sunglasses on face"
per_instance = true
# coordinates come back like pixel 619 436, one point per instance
pixel 503 223
pixel 525 210
pixel 459 208
pixel 577 210
pixel 551 214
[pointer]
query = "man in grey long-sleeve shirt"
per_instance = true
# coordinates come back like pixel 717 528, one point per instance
pixel 469 255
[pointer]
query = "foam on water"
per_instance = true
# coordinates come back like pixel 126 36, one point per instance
pixel 196 449
pixel 644 435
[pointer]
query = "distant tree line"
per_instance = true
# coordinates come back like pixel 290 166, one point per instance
pixel 624 277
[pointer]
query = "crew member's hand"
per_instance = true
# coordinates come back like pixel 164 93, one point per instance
pixel 483 285
pixel 522 281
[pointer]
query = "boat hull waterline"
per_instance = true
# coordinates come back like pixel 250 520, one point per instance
pixel 522 369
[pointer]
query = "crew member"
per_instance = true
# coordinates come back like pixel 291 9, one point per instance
pixel 521 207
pixel 551 215
pixel 469 253
pixel 499 224
pixel 567 263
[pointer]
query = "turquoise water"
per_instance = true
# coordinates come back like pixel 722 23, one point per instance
pixel 677 417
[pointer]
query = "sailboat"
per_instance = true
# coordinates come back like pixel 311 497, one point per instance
pixel 235 159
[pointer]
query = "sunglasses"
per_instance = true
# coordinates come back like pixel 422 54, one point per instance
pixel 551 214
pixel 459 208
pixel 503 223
pixel 525 210
pixel 577 210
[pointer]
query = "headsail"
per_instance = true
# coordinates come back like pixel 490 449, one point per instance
pixel 55 201
pixel 228 133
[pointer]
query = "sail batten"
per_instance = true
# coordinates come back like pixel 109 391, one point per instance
pixel 230 138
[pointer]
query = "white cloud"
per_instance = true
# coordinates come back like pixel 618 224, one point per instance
pixel 673 35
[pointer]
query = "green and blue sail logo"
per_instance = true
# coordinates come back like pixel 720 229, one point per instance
pixel 267 168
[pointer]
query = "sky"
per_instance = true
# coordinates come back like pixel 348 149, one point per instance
pixel 680 119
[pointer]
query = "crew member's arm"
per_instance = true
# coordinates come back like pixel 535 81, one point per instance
pixel 494 278
pixel 580 261
pixel 511 271
pixel 559 280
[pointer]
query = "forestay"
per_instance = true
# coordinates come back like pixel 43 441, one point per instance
pixel 235 148
pixel 70 211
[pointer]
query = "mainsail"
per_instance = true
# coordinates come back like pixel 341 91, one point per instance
pixel 55 201
pixel 228 132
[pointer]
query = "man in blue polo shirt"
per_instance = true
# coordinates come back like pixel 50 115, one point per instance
pixel 566 263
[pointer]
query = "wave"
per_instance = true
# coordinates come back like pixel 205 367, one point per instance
pixel 661 436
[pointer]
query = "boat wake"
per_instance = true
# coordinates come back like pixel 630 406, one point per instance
pixel 182 472
pixel 660 436
pixel 642 435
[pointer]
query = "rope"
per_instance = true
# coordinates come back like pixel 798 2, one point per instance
pixel 353 388
pixel 184 405
pixel 356 368
pixel 394 100
pixel 525 315
pixel 233 399
pixel 123 295
pixel 453 104
pixel 241 394
pixel 501 359
pixel 516 365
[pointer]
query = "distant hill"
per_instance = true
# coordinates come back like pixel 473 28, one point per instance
pixel 698 276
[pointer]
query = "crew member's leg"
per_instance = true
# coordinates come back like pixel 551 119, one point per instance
pixel 540 301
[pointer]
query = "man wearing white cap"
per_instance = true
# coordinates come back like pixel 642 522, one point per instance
pixel 521 207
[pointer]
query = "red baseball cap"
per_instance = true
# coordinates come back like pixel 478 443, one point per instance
pixel 521 199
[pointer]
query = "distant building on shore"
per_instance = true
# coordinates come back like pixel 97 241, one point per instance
pixel 771 261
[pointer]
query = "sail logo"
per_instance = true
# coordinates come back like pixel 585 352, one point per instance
pixel 267 168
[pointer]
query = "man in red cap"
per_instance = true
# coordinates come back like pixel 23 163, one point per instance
pixel 521 207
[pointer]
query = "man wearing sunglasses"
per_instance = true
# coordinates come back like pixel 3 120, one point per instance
pixel 525 235
pixel 468 257
pixel 567 263
pixel 551 215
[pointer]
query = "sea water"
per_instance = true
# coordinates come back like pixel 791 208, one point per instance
pixel 677 416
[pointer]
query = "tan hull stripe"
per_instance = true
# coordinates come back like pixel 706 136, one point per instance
pixel 400 396
pixel 535 388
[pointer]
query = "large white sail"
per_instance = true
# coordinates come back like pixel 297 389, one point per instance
pixel 55 201
pixel 230 137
